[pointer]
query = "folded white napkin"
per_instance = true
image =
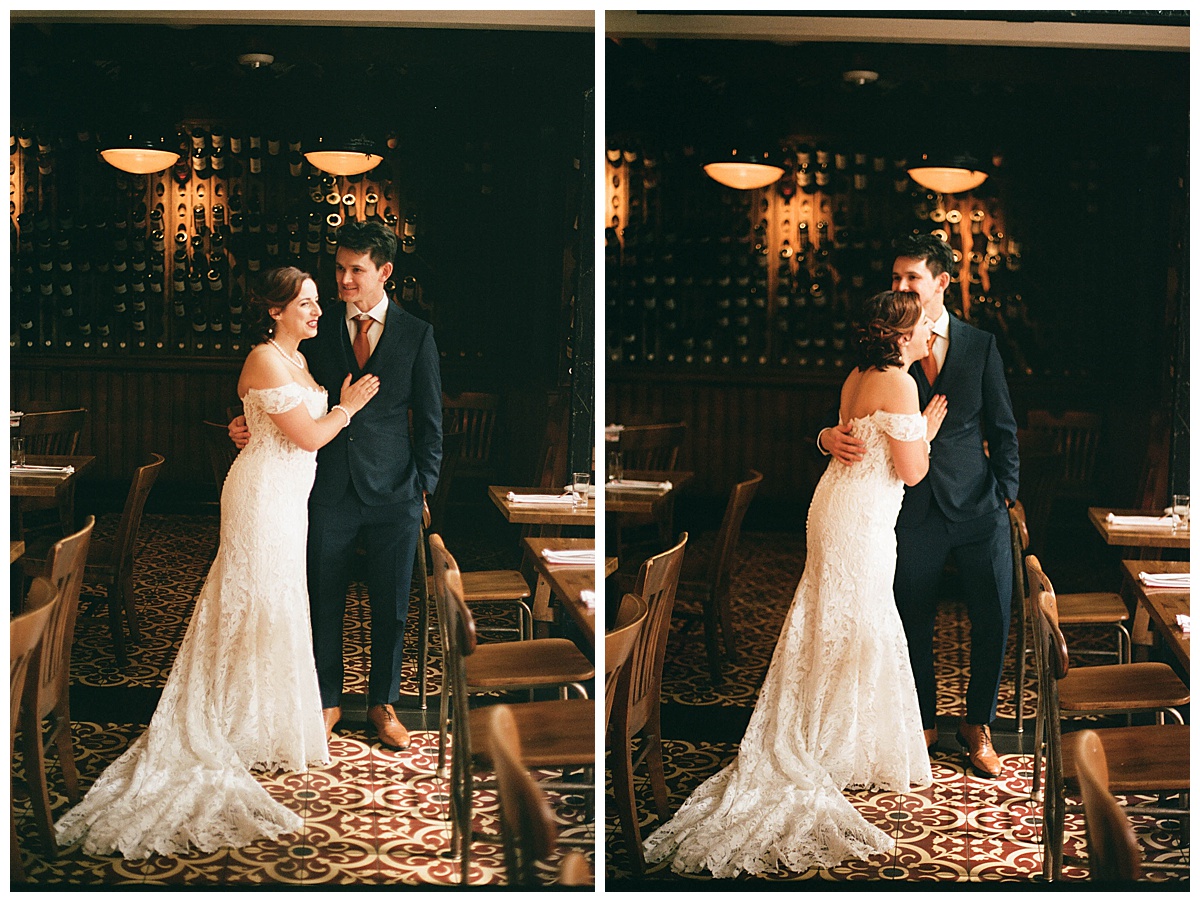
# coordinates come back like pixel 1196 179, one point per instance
pixel 539 499
pixel 582 556
pixel 1185 622
pixel 588 597
pixel 1166 580
pixel 664 486
pixel 31 470
pixel 591 490
pixel 1137 520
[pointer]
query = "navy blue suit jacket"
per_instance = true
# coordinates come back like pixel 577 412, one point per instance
pixel 376 451
pixel 966 482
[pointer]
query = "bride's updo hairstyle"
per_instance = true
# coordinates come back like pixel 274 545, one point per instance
pixel 881 322
pixel 274 290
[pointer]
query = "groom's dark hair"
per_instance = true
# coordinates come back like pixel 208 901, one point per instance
pixel 370 237
pixel 936 253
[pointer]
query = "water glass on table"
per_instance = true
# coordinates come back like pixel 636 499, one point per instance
pixel 616 467
pixel 17 457
pixel 1181 513
pixel 579 488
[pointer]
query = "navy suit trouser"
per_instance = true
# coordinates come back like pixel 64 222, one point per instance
pixel 390 533
pixel 982 553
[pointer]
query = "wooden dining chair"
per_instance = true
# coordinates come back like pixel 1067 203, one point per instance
pixel 558 733
pixel 651 447
pixel 221 452
pixel 1143 760
pixel 618 644
pixel 25 633
pixel 1146 687
pixel 439 504
pixel 53 432
pixel 1075 435
pixel 1075 609
pixel 1113 851
pixel 111 564
pixel 473 414
pixel 483 590
pixel 527 821
pixel 636 709
pixel 46 706
pixel 705 580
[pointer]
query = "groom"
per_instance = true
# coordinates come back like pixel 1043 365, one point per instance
pixel 960 508
pixel 372 478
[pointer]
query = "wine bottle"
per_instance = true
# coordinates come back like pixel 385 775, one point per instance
pixel 409 239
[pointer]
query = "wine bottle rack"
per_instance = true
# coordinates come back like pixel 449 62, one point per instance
pixel 700 276
pixel 104 262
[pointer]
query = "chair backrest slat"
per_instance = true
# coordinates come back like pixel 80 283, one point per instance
pixel 618 643
pixel 1113 852
pixel 131 515
pixel 65 566
pixel 731 527
pixel 530 834
pixel 640 681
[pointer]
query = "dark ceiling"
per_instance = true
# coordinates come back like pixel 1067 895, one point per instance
pixel 82 72
pixel 681 90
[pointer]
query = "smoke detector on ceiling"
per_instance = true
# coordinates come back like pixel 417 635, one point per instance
pixel 255 60
pixel 860 76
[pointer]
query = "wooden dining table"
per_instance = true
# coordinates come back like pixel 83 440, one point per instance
pixel 1162 605
pixel 1137 536
pixel 549 517
pixel 566 582
pixel 33 484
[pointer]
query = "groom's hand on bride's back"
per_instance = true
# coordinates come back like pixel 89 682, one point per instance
pixel 838 442
pixel 239 434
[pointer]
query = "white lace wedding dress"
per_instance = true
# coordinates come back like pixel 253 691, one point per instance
pixel 242 693
pixel 838 708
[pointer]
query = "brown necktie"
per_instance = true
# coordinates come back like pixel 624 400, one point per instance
pixel 929 362
pixel 362 343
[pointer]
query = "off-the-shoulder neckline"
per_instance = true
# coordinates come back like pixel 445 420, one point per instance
pixel 318 391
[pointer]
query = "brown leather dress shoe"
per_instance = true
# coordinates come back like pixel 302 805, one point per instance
pixel 931 738
pixel 332 716
pixel 390 731
pixel 976 740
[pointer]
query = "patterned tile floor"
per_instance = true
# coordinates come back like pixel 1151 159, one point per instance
pixel 960 829
pixel 372 817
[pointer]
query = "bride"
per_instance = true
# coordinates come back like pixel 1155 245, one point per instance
pixel 838 708
pixel 242 693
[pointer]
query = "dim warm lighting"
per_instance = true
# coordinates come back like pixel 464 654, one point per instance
pixel 948 175
pixel 139 154
pixel 344 156
pixel 744 170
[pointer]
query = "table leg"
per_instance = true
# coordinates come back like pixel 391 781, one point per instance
pixel 543 617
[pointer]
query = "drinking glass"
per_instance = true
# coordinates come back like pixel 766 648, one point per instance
pixel 616 467
pixel 17 458
pixel 579 488
pixel 1181 513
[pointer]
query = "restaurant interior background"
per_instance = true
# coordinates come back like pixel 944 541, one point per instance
pixel 723 314
pixel 135 314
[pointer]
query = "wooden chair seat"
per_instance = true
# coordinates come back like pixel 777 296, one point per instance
pixel 494 585
pixel 532 664
pixel 1121 688
pixel 1079 608
pixel 1140 759
pixel 553 733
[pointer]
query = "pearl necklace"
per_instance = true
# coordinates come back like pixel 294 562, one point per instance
pixel 286 356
